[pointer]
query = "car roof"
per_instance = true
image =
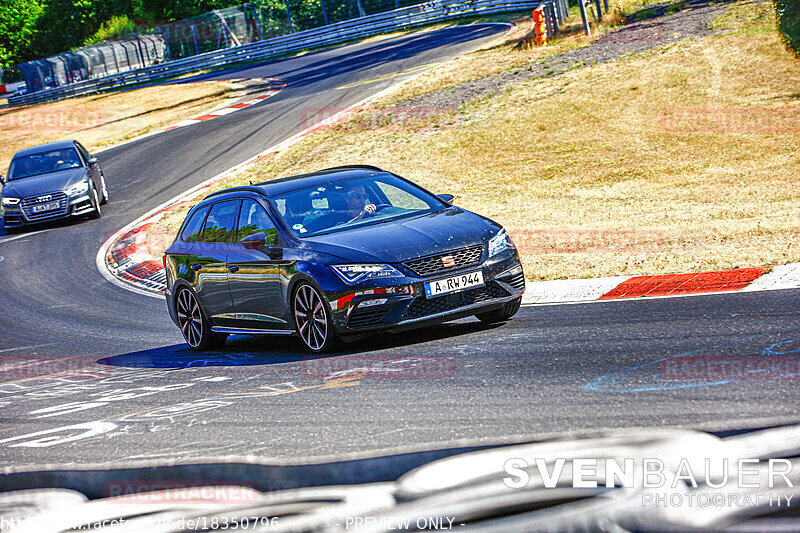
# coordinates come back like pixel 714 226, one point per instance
pixel 44 147
pixel 280 186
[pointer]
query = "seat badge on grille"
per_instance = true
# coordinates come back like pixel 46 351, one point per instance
pixel 448 261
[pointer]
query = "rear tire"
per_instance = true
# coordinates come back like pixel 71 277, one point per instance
pixel 193 324
pixel 501 315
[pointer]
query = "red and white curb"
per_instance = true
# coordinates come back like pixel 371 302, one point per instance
pixel 663 285
pixel 275 87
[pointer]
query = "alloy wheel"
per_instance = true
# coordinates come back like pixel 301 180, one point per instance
pixel 189 318
pixel 96 203
pixel 310 317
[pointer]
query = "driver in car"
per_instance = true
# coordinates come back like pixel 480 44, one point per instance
pixel 357 206
pixel 67 159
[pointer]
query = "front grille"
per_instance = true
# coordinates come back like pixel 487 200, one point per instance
pixel 422 307
pixel 432 264
pixel 362 318
pixel 28 203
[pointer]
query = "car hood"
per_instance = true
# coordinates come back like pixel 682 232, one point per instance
pixel 44 183
pixel 407 238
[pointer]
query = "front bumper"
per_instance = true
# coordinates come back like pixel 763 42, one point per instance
pixel 76 205
pixel 404 305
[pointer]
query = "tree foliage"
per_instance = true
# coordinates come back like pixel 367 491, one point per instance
pixel 160 11
pixel 66 24
pixel 788 12
pixel 116 26
pixel 17 30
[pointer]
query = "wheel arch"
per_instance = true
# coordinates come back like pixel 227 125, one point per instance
pixel 181 284
pixel 297 279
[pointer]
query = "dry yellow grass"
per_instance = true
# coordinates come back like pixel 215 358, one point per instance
pixel 683 159
pixel 105 119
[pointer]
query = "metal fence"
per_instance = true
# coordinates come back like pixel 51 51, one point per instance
pixel 111 57
pixel 272 46
pixel 216 30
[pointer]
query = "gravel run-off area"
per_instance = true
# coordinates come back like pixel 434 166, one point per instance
pixel 658 30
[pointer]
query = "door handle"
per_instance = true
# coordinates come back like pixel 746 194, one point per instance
pixel 233 269
pixel 196 266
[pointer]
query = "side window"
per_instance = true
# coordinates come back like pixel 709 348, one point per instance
pixel 221 222
pixel 192 231
pixel 84 155
pixel 253 219
pixel 402 199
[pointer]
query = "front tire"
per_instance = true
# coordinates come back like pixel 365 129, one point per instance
pixel 312 320
pixel 104 200
pixel 193 324
pixel 98 212
pixel 501 315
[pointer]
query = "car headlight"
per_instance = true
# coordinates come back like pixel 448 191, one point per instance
pixel 354 273
pixel 77 189
pixel 8 202
pixel 499 243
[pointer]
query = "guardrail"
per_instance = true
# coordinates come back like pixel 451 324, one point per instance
pixel 339 32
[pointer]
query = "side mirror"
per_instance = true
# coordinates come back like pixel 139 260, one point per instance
pixel 92 161
pixel 258 241
pixel 254 241
pixel 447 198
pixel 2 179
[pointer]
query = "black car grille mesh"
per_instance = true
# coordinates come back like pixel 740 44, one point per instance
pixel 367 317
pixel 428 266
pixel 29 203
pixel 422 307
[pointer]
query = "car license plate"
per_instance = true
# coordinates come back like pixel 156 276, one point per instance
pixel 45 207
pixel 454 284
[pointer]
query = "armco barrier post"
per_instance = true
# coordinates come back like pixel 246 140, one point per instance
pixel 552 16
pixel 585 17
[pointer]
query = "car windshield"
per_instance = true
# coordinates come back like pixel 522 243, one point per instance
pixel 43 163
pixel 354 202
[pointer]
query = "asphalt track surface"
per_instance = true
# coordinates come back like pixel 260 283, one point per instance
pixel 133 391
